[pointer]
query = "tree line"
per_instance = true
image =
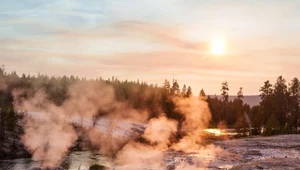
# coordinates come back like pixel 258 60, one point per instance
pixel 278 111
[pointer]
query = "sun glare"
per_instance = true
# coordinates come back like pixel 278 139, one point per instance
pixel 216 132
pixel 217 46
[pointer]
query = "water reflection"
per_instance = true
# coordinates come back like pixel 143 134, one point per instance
pixel 18 164
pixel 82 160
pixel 77 160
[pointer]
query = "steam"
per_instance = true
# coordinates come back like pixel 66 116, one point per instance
pixel 49 129
pixel 160 130
pixel 136 156
pixel 47 133
pixel 197 116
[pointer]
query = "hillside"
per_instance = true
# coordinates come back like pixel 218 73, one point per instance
pixel 252 100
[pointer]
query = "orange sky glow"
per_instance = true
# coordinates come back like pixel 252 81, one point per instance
pixel 153 41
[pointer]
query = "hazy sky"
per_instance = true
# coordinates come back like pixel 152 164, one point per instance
pixel 153 40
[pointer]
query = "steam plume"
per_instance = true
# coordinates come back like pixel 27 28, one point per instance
pixel 49 129
pixel 197 116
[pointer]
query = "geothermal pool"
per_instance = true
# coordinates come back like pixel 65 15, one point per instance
pixel 77 160
pixel 275 152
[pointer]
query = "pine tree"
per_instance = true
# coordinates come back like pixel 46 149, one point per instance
pixel 225 98
pixel 257 118
pixel 189 92
pixel 183 91
pixel 267 100
pixel 167 86
pixel 266 90
pixel 202 93
pixel 294 91
pixel 237 111
pixel 272 126
pixel 2 70
pixel 225 89
pixel 175 88
pixel 240 94
pixel 241 125
pixel 281 101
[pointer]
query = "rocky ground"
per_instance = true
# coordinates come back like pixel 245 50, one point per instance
pixel 274 152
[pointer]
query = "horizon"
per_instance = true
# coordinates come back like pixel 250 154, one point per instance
pixel 153 41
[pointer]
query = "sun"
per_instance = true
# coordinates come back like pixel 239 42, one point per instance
pixel 217 46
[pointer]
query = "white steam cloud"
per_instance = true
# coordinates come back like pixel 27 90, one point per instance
pixel 49 131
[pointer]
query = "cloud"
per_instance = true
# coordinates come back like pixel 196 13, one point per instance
pixel 160 34
pixel 126 38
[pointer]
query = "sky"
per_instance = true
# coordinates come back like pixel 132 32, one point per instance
pixel 154 40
